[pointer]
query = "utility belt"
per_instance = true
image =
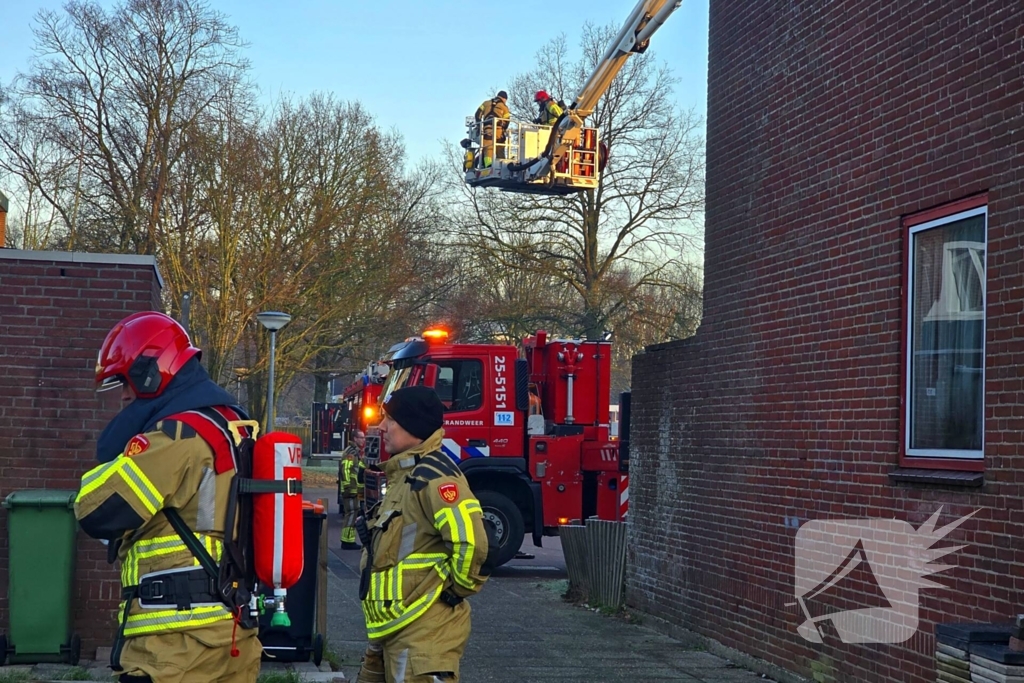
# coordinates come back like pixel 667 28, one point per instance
pixel 180 589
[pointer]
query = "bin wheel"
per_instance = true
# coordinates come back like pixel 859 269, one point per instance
pixel 3 650
pixel 75 650
pixel 318 649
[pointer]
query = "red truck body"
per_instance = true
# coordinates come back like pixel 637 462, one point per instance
pixel 531 473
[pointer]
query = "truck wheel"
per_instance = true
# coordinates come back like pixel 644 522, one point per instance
pixel 507 521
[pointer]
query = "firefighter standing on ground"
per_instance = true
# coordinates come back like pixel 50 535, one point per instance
pixel 351 487
pixel 493 116
pixel 173 628
pixel 426 551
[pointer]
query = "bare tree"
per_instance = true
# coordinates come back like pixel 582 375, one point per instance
pixel 100 121
pixel 307 210
pixel 644 218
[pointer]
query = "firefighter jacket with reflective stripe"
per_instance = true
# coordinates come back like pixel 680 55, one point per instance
pixel 427 535
pixel 493 109
pixel 549 113
pixel 169 467
pixel 349 483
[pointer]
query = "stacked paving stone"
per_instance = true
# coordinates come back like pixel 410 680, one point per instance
pixel 996 664
pixel 976 653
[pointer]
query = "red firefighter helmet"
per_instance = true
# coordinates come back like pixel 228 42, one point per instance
pixel 541 96
pixel 144 351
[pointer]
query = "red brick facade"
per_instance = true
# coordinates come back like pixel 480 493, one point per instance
pixel 55 310
pixel 828 123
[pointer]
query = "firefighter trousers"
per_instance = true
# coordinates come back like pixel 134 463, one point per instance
pixel 429 649
pixel 349 510
pixel 182 658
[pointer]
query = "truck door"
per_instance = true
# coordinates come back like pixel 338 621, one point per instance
pixel 460 385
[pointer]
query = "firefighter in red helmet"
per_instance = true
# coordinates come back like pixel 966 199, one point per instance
pixel 549 109
pixel 166 465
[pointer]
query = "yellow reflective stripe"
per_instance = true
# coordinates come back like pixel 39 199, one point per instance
pixel 380 628
pixel 129 571
pixel 95 472
pixel 464 561
pixel 423 560
pixel 95 478
pixel 460 525
pixel 163 545
pixel 141 485
pixel 386 585
pixel 164 620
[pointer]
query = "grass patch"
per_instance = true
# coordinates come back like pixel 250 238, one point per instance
pixel 15 676
pixel 75 673
pixel 280 677
pixel 332 658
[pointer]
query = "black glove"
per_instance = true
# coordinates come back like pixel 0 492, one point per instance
pixel 450 599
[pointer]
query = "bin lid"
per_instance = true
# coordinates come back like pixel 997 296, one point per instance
pixel 48 498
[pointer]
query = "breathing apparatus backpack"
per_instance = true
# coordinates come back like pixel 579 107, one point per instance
pixel 263 526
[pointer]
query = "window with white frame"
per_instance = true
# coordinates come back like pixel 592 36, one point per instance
pixel 946 337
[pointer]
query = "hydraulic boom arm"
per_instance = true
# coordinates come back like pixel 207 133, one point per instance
pixel 634 36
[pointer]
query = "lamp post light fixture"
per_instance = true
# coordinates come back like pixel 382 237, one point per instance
pixel 239 374
pixel 273 321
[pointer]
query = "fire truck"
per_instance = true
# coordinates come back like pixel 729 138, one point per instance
pixel 362 398
pixel 528 426
pixel 361 404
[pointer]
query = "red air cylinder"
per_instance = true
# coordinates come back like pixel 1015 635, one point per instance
pixel 277 517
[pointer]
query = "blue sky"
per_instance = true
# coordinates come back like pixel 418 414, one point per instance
pixel 419 66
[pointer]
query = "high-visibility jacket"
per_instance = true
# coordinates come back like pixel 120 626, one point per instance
pixel 172 466
pixel 349 473
pixel 427 535
pixel 549 113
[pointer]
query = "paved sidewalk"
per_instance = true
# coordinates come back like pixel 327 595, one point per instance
pixel 523 632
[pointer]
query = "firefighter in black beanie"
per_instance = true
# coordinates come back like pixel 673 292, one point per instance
pixel 426 551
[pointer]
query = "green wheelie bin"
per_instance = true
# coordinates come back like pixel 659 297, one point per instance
pixel 41 530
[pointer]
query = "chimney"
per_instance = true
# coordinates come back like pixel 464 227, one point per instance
pixel 3 219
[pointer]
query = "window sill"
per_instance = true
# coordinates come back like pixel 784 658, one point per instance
pixel 904 475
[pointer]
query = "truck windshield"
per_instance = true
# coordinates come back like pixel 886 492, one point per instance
pixel 395 380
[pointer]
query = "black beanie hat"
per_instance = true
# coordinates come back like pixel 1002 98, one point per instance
pixel 417 410
pixel 502 94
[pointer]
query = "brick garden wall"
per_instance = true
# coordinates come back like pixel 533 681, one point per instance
pixel 55 310
pixel 828 122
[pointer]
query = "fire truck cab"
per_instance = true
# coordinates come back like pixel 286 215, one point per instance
pixel 528 426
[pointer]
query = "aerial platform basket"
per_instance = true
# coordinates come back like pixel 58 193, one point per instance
pixel 499 153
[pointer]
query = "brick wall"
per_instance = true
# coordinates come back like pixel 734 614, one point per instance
pixel 55 310
pixel 827 122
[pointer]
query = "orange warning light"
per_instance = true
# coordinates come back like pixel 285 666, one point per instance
pixel 436 334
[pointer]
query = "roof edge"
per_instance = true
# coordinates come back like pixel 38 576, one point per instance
pixel 83 257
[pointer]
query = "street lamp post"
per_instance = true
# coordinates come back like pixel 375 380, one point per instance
pixel 273 321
